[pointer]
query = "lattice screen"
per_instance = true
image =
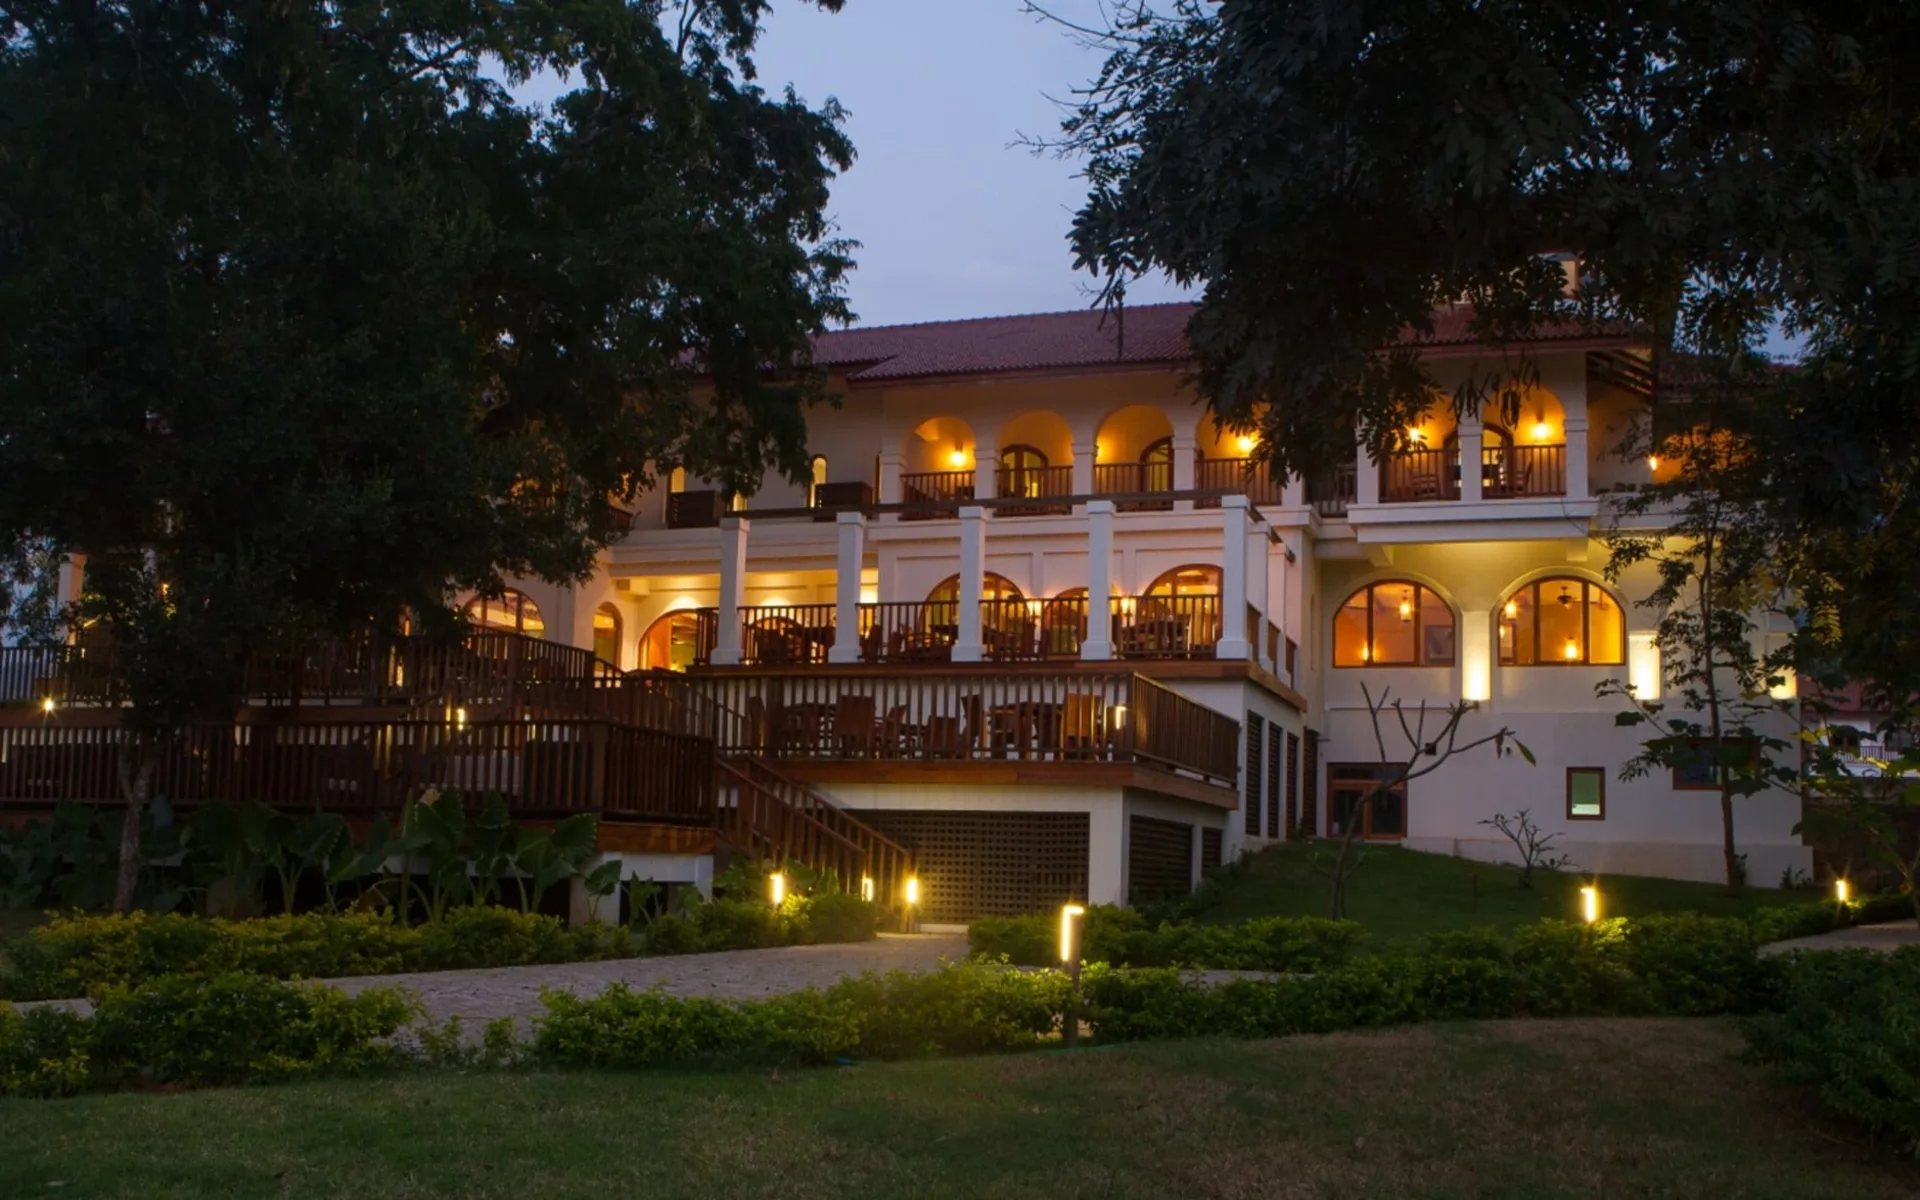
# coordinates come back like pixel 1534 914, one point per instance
pixel 975 864
pixel 1210 850
pixel 1159 858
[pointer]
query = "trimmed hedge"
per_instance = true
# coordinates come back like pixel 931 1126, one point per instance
pixel 1848 1024
pixel 80 955
pixel 226 1029
pixel 1122 937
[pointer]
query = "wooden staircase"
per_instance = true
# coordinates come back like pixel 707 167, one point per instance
pixel 770 816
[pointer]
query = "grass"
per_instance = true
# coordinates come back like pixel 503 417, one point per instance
pixel 1518 1109
pixel 1400 894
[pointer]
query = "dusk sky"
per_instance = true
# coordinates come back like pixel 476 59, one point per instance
pixel 955 220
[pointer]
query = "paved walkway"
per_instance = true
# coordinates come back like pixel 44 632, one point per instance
pixel 1890 936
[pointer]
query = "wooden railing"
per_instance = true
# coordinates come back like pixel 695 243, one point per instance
pixel 1063 626
pixel 777 819
pixel 1010 630
pixel 1411 475
pixel 1166 626
pixel 538 766
pixel 695 510
pixel 921 487
pixel 789 633
pixel 1330 494
pixel 1176 732
pixel 1517 471
pixel 908 632
pixel 1133 478
pixel 1037 484
pixel 1235 475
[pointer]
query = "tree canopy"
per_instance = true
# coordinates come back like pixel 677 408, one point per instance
pixel 306 321
pixel 1727 172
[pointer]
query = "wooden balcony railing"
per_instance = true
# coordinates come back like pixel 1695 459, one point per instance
pixel 1235 475
pixel 538 766
pixel 1166 626
pixel 695 510
pixel 1412 475
pixel 909 632
pixel 1330 494
pixel 1037 484
pixel 923 487
pixel 781 634
pixel 1512 472
pixel 1133 479
pixel 1026 716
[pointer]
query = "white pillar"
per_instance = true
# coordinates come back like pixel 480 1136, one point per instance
pixel 1366 478
pixel 985 476
pixel 1083 458
pixel 1577 484
pixel 846 588
pixel 733 583
pixel 1182 448
pixel 973 577
pixel 1257 551
pixel 1098 644
pixel 1293 493
pixel 1471 438
pixel 1107 853
pixel 1233 579
pixel 891 466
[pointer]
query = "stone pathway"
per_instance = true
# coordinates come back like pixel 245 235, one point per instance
pixel 1890 936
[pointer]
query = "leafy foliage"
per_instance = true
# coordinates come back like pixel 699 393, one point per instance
pixel 1123 938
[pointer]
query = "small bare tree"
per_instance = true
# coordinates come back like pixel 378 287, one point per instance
pixel 1534 845
pixel 1427 752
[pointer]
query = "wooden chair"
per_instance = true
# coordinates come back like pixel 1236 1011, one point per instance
pixel 1079 726
pixel 899 737
pixel 853 726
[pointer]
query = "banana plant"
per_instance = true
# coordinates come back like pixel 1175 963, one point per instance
pixel 544 858
pixel 490 844
pixel 321 844
pixel 601 882
pixel 435 826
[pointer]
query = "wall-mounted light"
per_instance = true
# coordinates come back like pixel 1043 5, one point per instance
pixel 913 890
pixel 1243 444
pixel 1034 607
pixel 1643 665
pixel 46 706
pixel 869 595
pixel 459 718
pixel 1476 665
pixel 956 458
pixel 1571 650
pixel 866 888
pixel 1512 610
pixel 1366 652
pixel 1542 431
pixel 1653 462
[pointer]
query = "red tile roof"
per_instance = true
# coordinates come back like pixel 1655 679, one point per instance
pixel 1154 333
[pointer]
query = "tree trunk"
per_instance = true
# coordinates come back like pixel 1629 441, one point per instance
pixel 1734 882
pixel 1712 684
pixel 136 780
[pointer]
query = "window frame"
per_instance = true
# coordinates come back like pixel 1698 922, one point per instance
pixel 1600 775
pixel 1540 659
pixel 1335 780
pixel 1420 591
pixel 816 479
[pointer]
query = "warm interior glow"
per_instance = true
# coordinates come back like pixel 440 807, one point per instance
pixel 1366 653
pixel 777 888
pixel 1069 945
pixel 957 458
pixel 1406 610
pixel 1542 431
pixel 1243 444
pixel 913 890
pixel 869 595
pixel 1572 650
pixel 866 888
pixel 1476 663
pixel 460 717
pixel 1643 665
pixel 1119 712
pixel 1653 462
pixel 1590 904
pixel 1034 607
pixel 1513 610
pixel 1840 890
pixel 1415 434
pixel 775 602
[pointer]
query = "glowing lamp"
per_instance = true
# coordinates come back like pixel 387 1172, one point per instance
pixel 47 704
pixel 866 888
pixel 1512 610
pixel 460 718
pixel 1243 444
pixel 1366 653
pixel 777 888
pixel 913 890
pixel 957 458
pixel 1034 607
pixel 1414 434
pixel 1406 609
pixel 1069 943
pixel 1590 904
pixel 1571 652
pixel 1542 431
pixel 1653 462
pixel 1119 712
pixel 1841 891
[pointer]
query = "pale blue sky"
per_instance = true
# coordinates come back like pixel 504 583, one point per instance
pixel 954 219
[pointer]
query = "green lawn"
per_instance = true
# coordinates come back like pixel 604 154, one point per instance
pixel 1521 1109
pixel 1403 893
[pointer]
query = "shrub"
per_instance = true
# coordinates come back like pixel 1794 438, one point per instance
pixel 837 917
pixel 43 1052
pixel 754 925
pixel 1122 937
pixel 1848 1024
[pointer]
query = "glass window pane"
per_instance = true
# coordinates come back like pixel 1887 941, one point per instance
pixel 1393 624
pixel 1584 792
pixel 1607 626
pixel 1517 629
pixel 1350 632
pixel 1436 630
pixel 1562 609
pixel 1389 816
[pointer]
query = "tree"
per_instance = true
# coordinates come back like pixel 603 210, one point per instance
pixel 1330 174
pixel 1426 751
pixel 306 323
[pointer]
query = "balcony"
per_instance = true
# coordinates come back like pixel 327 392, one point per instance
pixel 1039 484
pixel 1331 494
pixel 1506 473
pixel 695 510
pixel 1235 475
pixel 934 487
pixel 1063 716
pixel 1134 479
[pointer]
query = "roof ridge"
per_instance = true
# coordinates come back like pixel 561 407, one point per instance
pixel 1062 312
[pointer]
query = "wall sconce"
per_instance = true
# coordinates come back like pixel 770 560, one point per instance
pixel 1542 431
pixel 46 706
pixel 913 890
pixel 1512 609
pixel 1653 462
pixel 1034 607
pixel 866 888
pixel 1243 444
pixel 1406 606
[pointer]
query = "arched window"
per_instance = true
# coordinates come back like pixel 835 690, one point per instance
pixel 1157 469
pixel 1193 580
pixel 1063 624
pixel 670 643
pixel 606 634
pixel 1562 621
pixel 1021 471
pixel 1393 624
pixel 677 480
pixel 993 587
pixel 818 479
pixel 513 612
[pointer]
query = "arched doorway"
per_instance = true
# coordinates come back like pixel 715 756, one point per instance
pixel 512 611
pixel 606 634
pixel 672 643
pixel 1177 617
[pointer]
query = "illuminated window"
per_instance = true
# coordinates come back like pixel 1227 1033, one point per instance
pixel 1393 624
pixel 1586 793
pixel 1022 468
pixel 943 603
pixel 819 478
pixel 512 612
pixel 606 634
pixel 1562 621
pixel 1157 475
pixel 677 481
pixel 670 643
pixel 1198 580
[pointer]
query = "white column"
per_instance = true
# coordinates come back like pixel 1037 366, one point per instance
pixel 1293 493
pixel 733 583
pixel 1472 436
pixel 1107 853
pixel 1233 579
pixel 1257 550
pixel 1476 654
pixel 891 466
pixel 1577 483
pixel 1182 449
pixel 1366 478
pixel 1278 604
pixel 1083 457
pixel 985 476
pixel 973 577
pixel 846 588
pixel 1097 646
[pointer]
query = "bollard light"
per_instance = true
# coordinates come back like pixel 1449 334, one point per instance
pixel 866 888
pixel 1840 890
pixel 460 718
pixel 1590 904
pixel 46 705
pixel 913 891
pixel 1069 933
pixel 777 885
